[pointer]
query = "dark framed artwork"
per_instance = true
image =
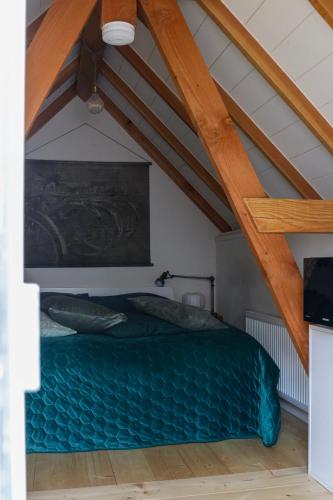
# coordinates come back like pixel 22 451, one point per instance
pixel 86 214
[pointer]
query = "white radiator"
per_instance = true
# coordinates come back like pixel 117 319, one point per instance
pixel 271 333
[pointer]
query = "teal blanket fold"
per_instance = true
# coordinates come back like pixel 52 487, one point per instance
pixel 99 392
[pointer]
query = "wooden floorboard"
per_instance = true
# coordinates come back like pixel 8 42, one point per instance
pixel 78 470
pixel 262 485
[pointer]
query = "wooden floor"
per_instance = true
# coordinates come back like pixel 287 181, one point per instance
pixel 293 483
pixel 77 470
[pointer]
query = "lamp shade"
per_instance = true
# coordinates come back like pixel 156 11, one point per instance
pixel 195 299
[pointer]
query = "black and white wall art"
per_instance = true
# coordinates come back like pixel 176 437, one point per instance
pixel 84 214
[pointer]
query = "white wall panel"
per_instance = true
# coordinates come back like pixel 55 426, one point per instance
pixel 314 163
pixel 275 20
pixel 244 10
pixel 324 186
pixel 274 116
pixel 210 40
pixel 295 140
pixel 306 46
pixel 317 83
pixel 276 185
pixel 252 92
pixel 231 67
pixel 193 14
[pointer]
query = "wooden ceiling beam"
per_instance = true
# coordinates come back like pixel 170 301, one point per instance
pixel 92 47
pixel 287 169
pixel 164 164
pixel 164 132
pixel 33 27
pixel 66 73
pixel 325 9
pixel 118 10
pixel 270 70
pixel 291 216
pixel 238 177
pixel 57 34
pixel 48 113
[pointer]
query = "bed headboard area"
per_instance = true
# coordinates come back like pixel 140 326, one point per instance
pixel 165 291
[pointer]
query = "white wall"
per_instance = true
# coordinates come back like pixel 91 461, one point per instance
pixel 182 238
pixel 240 285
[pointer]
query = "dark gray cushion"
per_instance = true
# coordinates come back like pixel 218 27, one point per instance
pixel 81 315
pixel 179 314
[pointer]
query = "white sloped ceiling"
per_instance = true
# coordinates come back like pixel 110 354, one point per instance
pixel 298 39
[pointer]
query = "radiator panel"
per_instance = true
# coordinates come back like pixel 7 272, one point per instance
pixel 270 332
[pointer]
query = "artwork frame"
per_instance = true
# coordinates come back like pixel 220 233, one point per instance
pixel 86 214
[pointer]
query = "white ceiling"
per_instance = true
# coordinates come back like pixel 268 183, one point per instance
pixel 297 38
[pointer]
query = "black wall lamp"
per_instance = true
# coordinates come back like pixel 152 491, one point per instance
pixel 167 275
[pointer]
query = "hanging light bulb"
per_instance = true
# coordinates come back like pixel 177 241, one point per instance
pixel 95 103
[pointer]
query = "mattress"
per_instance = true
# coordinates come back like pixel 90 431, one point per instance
pixel 101 392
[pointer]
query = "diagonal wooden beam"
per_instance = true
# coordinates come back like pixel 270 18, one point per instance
pixel 49 48
pixel 91 53
pixel 48 113
pixel 270 70
pixel 33 27
pixel 325 9
pixel 66 73
pixel 227 154
pixel 119 10
pixel 164 132
pixel 164 164
pixel 248 126
pixel 291 216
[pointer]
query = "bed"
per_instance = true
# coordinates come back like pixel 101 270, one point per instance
pixel 151 384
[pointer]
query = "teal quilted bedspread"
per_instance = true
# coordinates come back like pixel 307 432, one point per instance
pixel 99 392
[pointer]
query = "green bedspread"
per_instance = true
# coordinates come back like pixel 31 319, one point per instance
pixel 99 392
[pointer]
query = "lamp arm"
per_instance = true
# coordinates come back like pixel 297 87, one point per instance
pixel 210 278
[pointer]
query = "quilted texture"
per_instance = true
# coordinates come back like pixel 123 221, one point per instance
pixel 99 392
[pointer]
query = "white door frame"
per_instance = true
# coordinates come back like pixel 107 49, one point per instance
pixel 20 301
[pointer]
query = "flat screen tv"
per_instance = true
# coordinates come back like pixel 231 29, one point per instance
pixel 318 290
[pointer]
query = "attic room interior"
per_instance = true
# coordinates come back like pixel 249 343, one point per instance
pixel 167 240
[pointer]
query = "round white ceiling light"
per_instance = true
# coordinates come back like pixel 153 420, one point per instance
pixel 118 33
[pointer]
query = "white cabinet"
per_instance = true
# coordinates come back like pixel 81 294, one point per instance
pixel 321 406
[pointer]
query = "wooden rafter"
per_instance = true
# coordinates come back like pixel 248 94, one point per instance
pixel 325 9
pixel 164 132
pixel 119 10
pixel 91 53
pixel 58 32
pixel 66 73
pixel 239 116
pixel 32 28
pixel 48 113
pixel 291 216
pixel 227 154
pixel 270 70
pixel 164 164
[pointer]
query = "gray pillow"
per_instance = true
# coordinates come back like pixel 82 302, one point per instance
pixel 179 314
pixel 82 315
pixel 50 328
